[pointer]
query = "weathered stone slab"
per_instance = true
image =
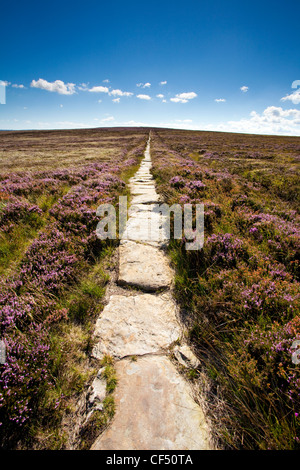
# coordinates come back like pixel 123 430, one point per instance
pixel 141 180
pixel 136 208
pixel 143 266
pixel 143 172
pixel 136 325
pixel 146 165
pixel 144 175
pixel 136 189
pixel 145 199
pixel 154 410
pixel 145 227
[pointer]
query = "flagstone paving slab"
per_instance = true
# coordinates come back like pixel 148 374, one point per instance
pixel 136 325
pixel 155 410
pixel 143 266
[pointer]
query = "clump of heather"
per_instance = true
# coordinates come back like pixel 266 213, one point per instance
pixel 51 262
pixel 177 182
pixel 19 211
pixel 273 349
pixel 25 375
pixel 225 249
pixel 195 186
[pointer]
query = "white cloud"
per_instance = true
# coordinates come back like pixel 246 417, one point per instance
pixel 99 89
pixel 116 100
pixel 144 85
pixel 273 120
pixel 57 86
pixel 144 97
pixel 99 101
pixel 178 100
pixel 244 89
pixel 17 86
pixel 133 123
pixel 4 83
pixel 220 100
pixel 118 92
pixel 163 83
pixel 293 97
pixel 83 87
pixel 160 96
pixel 179 124
pixel 109 118
pixel 64 124
pixel 106 80
pixel 184 97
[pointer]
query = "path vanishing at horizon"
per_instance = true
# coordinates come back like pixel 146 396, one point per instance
pixel 140 329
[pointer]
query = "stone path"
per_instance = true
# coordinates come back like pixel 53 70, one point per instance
pixel 155 408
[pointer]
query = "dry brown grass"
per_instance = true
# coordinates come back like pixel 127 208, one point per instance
pixel 43 150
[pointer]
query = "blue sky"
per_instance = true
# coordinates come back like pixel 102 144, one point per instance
pixel 222 65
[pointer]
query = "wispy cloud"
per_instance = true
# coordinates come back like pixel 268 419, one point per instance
pixel 244 89
pixel 83 87
pixel 18 86
pixel 163 83
pixel 64 124
pixel 118 92
pixel 58 86
pixel 99 89
pixel 106 80
pixel 293 97
pixel 108 119
pixel 220 100
pixel 144 85
pixel 144 97
pixel 184 97
pixel 116 100
pixel 160 96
